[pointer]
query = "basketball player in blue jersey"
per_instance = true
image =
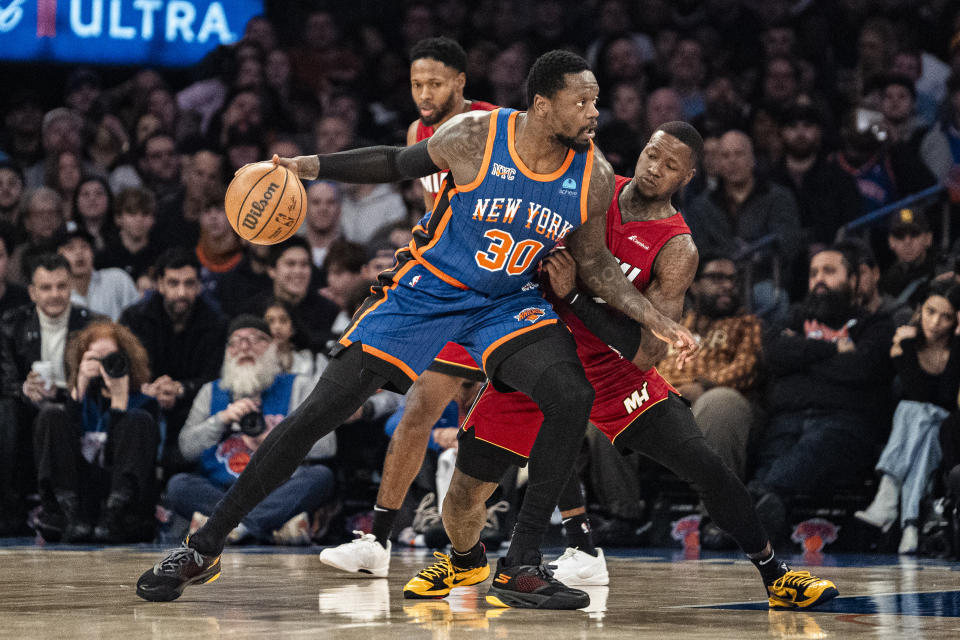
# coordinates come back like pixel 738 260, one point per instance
pixel 518 183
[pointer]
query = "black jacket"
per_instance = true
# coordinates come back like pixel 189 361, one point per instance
pixel 20 344
pixel 192 357
pixel 812 374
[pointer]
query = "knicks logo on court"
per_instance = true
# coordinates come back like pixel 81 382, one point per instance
pixel 530 314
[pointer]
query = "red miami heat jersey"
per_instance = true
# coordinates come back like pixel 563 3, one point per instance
pixel 635 245
pixel 431 183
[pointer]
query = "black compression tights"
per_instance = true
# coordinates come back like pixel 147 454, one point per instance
pixel 341 390
pixel 564 396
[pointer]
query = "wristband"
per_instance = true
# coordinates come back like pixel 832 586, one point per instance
pixel 571 297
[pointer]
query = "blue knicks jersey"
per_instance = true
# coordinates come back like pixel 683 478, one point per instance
pixel 490 234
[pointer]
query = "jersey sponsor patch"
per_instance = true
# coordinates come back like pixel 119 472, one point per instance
pixel 530 314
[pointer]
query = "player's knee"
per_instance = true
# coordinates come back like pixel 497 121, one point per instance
pixel 564 389
pixel 465 493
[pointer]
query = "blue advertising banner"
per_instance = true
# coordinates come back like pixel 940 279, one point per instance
pixel 169 33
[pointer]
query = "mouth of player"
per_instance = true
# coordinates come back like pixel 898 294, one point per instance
pixel 647 180
pixel 427 111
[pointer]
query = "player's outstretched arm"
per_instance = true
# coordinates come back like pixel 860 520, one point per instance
pixel 453 146
pixel 601 274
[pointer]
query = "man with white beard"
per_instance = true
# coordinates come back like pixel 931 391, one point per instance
pixel 229 419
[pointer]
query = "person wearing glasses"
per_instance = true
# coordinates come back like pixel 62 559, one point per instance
pixel 228 420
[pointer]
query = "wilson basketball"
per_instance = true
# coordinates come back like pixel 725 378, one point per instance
pixel 265 203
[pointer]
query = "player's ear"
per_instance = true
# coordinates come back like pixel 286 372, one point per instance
pixel 461 80
pixel 540 106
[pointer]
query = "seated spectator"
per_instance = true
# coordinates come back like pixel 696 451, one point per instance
pixel 291 272
pixel 828 392
pixel 898 107
pixel 292 350
pixel 868 293
pixel 322 225
pixel 826 195
pixel 182 334
pixel 96 454
pixel 940 147
pixel 219 248
pixel 104 291
pixel 911 241
pixel 230 417
pixel 93 210
pixel 42 218
pixel 743 208
pixel 345 265
pixel 11 294
pixel 132 248
pixel 32 372
pixel 720 381
pixel 926 354
pixel 11 192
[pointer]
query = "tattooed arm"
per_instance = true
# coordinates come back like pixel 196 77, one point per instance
pixel 457 145
pixel 599 271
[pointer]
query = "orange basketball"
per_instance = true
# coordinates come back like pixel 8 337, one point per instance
pixel 265 203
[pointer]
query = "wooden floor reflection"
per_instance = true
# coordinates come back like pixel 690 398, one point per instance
pixel 80 594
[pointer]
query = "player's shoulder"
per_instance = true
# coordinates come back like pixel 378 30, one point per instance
pixel 412 132
pixel 463 126
pixel 678 256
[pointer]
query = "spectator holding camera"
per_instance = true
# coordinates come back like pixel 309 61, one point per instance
pixel 96 453
pixel 32 372
pixel 229 419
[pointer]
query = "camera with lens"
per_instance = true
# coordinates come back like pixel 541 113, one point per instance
pixel 115 364
pixel 253 424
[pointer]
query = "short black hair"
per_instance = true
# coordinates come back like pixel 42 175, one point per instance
pixel 901 80
pixel 712 257
pixel 849 255
pixel 345 255
pixel 546 76
pixel 10 165
pixel 277 250
pixel 859 248
pixel 442 49
pixel 175 258
pixel 687 134
pixel 49 261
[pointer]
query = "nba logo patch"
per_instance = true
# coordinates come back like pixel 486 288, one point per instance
pixel 530 314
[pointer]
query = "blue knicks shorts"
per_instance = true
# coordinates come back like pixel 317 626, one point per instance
pixel 412 314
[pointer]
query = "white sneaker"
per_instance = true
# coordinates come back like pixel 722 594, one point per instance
pixel 362 555
pixel 295 532
pixel 909 540
pixel 578 569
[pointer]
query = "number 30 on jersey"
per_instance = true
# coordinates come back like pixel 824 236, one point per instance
pixel 503 252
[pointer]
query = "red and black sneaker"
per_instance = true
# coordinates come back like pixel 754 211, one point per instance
pixel 181 567
pixel 533 587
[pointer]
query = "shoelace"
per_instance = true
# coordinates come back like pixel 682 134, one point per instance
pixel 493 520
pixel 426 514
pixel 545 572
pixel 567 554
pixel 362 536
pixel 443 567
pixel 176 558
pixel 795 579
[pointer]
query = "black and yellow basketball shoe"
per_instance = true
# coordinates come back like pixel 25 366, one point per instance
pixel 181 567
pixel 800 590
pixel 533 587
pixel 438 579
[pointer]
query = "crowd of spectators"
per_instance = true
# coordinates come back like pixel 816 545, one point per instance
pixel 113 238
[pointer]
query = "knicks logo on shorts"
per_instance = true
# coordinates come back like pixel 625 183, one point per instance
pixel 530 314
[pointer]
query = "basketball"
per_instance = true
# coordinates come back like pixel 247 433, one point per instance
pixel 265 203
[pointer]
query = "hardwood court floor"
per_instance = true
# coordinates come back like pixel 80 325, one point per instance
pixel 79 594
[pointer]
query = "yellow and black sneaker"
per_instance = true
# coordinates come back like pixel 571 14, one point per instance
pixel 533 587
pixel 800 590
pixel 181 567
pixel 436 580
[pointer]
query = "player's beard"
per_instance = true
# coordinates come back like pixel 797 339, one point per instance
pixel 440 112
pixel 244 380
pixel 572 143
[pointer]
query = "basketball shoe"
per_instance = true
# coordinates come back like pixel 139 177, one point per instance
pixel 533 587
pixel 438 579
pixel 181 567
pixel 577 568
pixel 800 590
pixel 361 555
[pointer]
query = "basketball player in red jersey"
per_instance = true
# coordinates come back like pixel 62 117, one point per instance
pixel 437 78
pixel 634 406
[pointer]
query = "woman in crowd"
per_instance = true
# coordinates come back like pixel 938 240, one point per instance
pixel 926 354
